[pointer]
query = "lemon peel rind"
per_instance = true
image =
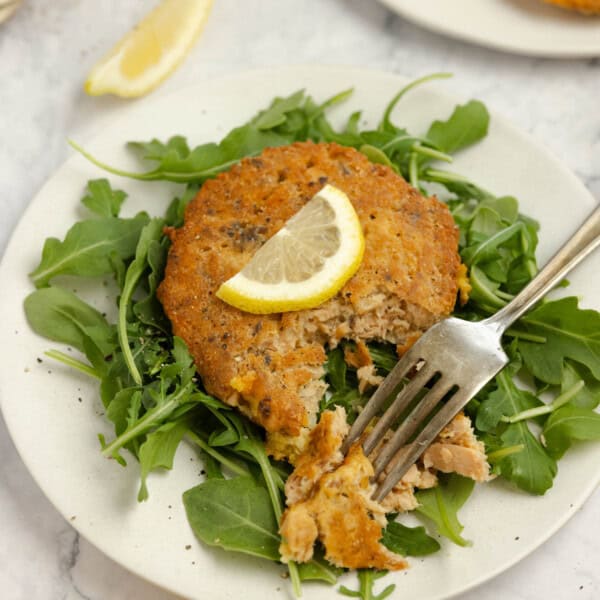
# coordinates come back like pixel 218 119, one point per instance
pixel 266 306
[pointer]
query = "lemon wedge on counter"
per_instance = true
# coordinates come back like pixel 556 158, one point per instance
pixel 151 51
pixel 305 263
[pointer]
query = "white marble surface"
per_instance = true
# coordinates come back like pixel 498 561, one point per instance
pixel 46 51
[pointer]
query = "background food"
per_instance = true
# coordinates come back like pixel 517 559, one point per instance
pixel 584 6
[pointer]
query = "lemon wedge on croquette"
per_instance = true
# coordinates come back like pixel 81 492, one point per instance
pixel 305 263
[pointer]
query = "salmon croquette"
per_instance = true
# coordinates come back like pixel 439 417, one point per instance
pixel 271 366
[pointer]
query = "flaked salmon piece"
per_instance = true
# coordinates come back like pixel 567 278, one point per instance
pixel 346 520
pixel 402 496
pixel 457 450
pixel 367 377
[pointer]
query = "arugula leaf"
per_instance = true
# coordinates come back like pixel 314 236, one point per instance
pixel 60 315
pixel 157 150
pixel 589 396
pixel 567 425
pixel 408 541
pixel 467 125
pixel 88 247
pixel 212 467
pixel 234 514
pixel 442 503
pixel 570 332
pixel 366 580
pixel 158 451
pixel 505 401
pixel 277 112
pixel 343 383
pixel 375 155
pixel 102 199
pixel 384 356
pixel 531 469
pixel 319 569
pixel 336 369
pixel 121 406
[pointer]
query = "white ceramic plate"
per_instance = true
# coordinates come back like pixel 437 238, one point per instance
pixel 529 27
pixel 55 432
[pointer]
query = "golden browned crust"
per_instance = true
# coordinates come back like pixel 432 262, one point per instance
pixel 270 365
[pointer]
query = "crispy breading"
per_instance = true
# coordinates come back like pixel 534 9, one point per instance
pixel 270 366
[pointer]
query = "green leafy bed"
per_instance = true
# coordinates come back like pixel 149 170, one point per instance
pixel 528 416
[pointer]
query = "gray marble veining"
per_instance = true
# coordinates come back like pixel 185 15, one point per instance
pixel 46 51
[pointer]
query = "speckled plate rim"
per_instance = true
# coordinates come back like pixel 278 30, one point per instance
pixel 102 496
pixel 508 27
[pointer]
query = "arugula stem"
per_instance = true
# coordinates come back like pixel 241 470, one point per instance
pixel 295 579
pixel 153 416
pixel 498 455
pixel 504 295
pixel 122 327
pixel 444 176
pixel 73 362
pixel 431 153
pixel 413 170
pixel 229 464
pixel 389 146
pixel 547 408
pixel 385 121
pixel 183 177
pixel 524 335
pixel 105 167
pixel 272 488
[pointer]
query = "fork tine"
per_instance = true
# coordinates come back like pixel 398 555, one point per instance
pixel 411 423
pixel 386 387
pixel 402 400
pixel 412 452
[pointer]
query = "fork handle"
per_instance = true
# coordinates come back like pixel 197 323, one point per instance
pixel 580 245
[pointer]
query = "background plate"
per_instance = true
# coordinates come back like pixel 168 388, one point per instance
pixel 54 415
pixel 529 27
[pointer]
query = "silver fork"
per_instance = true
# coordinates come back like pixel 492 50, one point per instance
pixel 459 357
